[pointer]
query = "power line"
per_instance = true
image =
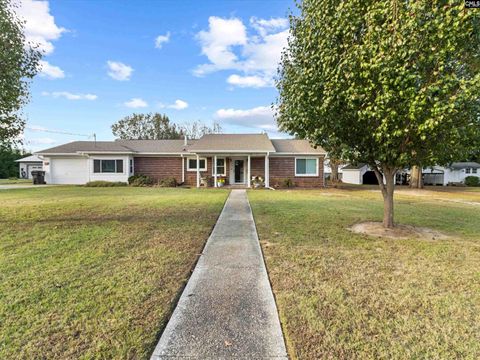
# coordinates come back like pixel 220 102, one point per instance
pixel 59 132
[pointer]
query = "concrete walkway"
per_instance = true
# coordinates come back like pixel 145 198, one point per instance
pixel 227 309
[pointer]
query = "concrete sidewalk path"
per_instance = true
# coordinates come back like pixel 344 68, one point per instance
pixel 227 310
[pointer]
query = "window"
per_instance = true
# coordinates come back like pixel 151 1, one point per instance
pixel 220 167
pixel 474 170
pixel 192 164
pixel 131 166
pixel 467 170
pixel 108 166
pixel 306 167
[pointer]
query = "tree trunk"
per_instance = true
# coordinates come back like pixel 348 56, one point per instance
pixel 334 167
pixel 388 200
pixel 387 189
pixel 416 181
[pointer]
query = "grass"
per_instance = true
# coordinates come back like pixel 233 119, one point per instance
pixel 94 272
pixel 15 181
pixel 350 296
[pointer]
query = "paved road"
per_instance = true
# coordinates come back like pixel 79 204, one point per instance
pixel 227 309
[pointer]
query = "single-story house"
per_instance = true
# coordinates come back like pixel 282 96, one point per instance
pixel 27 165
pixel 237 158
pixel 454 173
pixel 435 175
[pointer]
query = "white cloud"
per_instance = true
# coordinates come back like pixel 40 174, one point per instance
pixel 70 96
pixel 40 27
pixel 162 39
pixel 119 71
pixel 249 81
pixel 50 71
pixel 260 117
pixel 228 47
pixel 136 103
pixel 217 44
pixel 177 105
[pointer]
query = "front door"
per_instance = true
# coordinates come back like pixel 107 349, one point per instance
pixel 238 171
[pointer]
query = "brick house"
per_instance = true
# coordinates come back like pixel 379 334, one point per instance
pixel 238 158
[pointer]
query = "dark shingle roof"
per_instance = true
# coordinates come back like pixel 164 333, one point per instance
pixel 354 167
pixel 464 165
pixel 157 146
pixel 233 143
pixel 87 146
pixel 295 146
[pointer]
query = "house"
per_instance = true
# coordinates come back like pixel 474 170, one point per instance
pixel 435 175
pixel 454 173
pixel 237 158
pixel 27 165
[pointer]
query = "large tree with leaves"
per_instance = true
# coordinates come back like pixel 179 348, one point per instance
pixel 19 62
pixel 390 83
pixel 151 126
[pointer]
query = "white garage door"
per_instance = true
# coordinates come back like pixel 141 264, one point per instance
pixel 68 171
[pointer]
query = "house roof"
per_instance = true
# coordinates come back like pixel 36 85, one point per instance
pixel 354 167
pixel 88 146
pixel 211 143
pixel 233 143
pixel 464 165
pixel 31 158
pixel 295 146
pixel 157 146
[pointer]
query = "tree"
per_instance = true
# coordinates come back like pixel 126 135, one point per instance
pixel 19 62
pixel 152 126
pixel 389 83
pixel 197 129
pixel 8 166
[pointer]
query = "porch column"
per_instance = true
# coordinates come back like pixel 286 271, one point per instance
pixel 215 171
pixel 183 169
pixel 267 171
pixel 248 172
pixel 198 171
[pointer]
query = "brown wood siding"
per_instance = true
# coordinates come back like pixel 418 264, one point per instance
pixel 159 167
pixel 282 168
pixel 257 166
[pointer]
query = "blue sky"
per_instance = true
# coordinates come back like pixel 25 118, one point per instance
pixel 193 60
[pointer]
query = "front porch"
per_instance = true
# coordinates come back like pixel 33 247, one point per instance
pixel 232 170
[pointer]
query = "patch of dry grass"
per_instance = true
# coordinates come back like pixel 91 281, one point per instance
pixel 94 272
pixel 350 296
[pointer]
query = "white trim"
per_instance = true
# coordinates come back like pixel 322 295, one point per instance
pixel 248 171
pixel 297 154
pixel 196 168
pixel 306 158
pixel 109 172
pixel 214 168
pixel 183 169
pixel 267 171
pixel 231 151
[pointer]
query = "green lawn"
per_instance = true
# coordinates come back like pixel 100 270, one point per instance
pixel 344 295
pixel 94 272
pixel 15 181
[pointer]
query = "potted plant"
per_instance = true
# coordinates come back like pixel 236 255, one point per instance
pixel 257 182
pixel 220 181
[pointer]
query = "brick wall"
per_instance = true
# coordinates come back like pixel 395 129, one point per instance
pixel 159 167
pixel 282 168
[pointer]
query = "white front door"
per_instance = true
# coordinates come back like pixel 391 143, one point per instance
pixel 238 170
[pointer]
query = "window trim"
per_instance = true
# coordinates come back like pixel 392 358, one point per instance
pixel 306 158
pixel 195 169
pixel 108 172
pixel 224 167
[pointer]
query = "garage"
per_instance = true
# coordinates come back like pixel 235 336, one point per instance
pixel 68 171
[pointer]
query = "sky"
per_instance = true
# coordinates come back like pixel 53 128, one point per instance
pixel 192 60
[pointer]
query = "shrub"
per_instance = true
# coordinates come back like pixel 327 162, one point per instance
pixel 472 181
pixel 141 180
pixel 288 183
pixel 168 182
pixel 101 183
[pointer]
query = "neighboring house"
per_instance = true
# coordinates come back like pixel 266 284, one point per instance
pixel 238 157
pixel 27 165
pixel 327 170
pixel 454 173
pixel 434 175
